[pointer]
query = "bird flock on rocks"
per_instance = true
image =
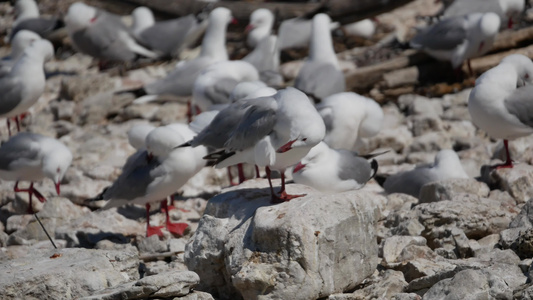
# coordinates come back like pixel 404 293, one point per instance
pixel 242 111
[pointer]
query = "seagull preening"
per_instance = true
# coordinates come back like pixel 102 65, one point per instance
pixel 459 38
pixel 507 10
pixel 25 83
pixel 33 157
pixel 273 132
pixel 156 172
pixel 500 103
pixel 330 170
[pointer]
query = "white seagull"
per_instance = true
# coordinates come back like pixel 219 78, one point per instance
pixel 33 157
pixel 260 26
pixel 320 75
pixel 25 83
pixel 507 10
pixel 153 174
pixel 459 38
pixel 330 170
pixel 446 165
pixel 501 101
pixel 349 117
pixel 274 132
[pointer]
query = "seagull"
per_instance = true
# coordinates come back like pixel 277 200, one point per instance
pixel 446 165
pixel 137 135
pixel 265 58
pixel 260 26
pixel 500 102
pixel 459 38
pixel 144 181
pixel 349 117
pixel 215 83
pixel 180 81
pixel 28 18
pixel 330 170
pixel 274 132
pixel 364 28
pixel 33 157
pixel 507 10
pixel 25 83
pixel 167 37
pixel 19 43
pixel 102 35
pixel 320 75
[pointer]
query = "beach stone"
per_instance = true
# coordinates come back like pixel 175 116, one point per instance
pixel 393 246
pixel 450 188
pixel 383 286
pixel 517 181
pixel 245 246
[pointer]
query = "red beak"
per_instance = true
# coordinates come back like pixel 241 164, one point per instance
pixel 234 21
pixel 286 147
pixel 58 190
pixel 93 20
pixel 298 167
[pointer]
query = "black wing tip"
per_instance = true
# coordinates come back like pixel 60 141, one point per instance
pixel 138 92
pixel 186 144
pixel 98 197
pixel 374 165
pixel 381 178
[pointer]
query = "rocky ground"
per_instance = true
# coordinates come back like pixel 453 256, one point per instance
pixel 463 239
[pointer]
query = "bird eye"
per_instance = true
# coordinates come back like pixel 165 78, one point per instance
pixel 58 170
pixel 304 139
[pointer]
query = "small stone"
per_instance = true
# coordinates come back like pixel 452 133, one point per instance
pixel 450 188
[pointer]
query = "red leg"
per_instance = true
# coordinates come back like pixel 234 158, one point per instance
pixel 189 111
pixel 151 230
pixel 470 72
pixel 508 161
pixel 257 173
pixel 17 121
pixel 31 191
pixel 283 196
pixel 175 228
pixel 241 173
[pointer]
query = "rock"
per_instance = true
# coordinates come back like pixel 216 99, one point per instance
pixel 419 105
pixel 78 88
pixel 395 138
pixel 66 273
pixel 152 244
pixel 63 110
pixel 393 246
pixel 451 188
pixel 518 181
pixel 525 217
pixel 144 111
pixel 431 141
pixel 384 286
pixel 170 112
pixel 171 284
pixel 422 124
pixel 245 246
pixel 469 284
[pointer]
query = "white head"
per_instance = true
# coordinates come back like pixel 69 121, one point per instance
pixel 79 16
pixel 373 119
pixel 261 21
pixel 40 49
pixel 25 9
pixel 142 19
pixel 56 161
pixel 523 66
pixel 513 7
pixel 243 89
pixel 306 125
pixel 448 163
pixel 220 16
pixel 21 41
pixel 316 155
pixel 162 140
pixel 137 135
pixel 489 24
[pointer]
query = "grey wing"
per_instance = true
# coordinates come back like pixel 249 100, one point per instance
pixel 220 129
pixel 257 122
pixel 520 104
pixel 10 96
pixel 180 81
pixel 352 166
pixel 166 36
pixel 41 26
pixel 20 149
pixel 135 178
pixel 220 92
pixel 464 7
pixel 445 35
pixel 409 182
pixel 320 80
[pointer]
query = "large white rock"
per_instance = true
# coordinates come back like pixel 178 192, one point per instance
pixel 307 248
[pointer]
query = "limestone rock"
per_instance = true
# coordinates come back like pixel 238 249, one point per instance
pixel 307 248
pixel 65 273
pixel 518 181
pixel 384 286
pixel 393 246
pixel 450 188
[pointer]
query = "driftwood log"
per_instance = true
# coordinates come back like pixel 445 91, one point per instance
pixel 343 11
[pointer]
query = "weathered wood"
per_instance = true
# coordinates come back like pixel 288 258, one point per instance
pixel 343 11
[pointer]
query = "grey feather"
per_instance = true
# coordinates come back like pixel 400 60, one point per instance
pixel 24 147
pixel 41 26
pixel 409 183
pixel 320 80
pixel 352 166
pixel 220 92
pixel 445 35
pixel 463 7
pixel 11 94
pixel 520 104
pixel 168 36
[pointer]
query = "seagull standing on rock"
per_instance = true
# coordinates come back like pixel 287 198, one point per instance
pixel 153 174
pixel 25 83
pixel 501 102
pixel 274 132
pixel 33 157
